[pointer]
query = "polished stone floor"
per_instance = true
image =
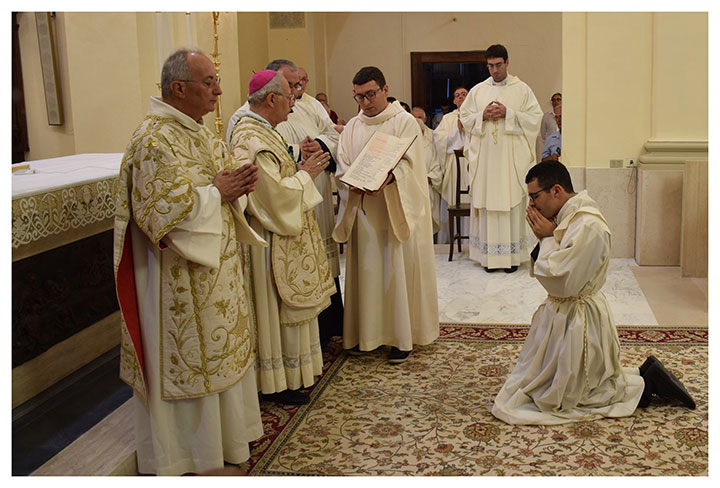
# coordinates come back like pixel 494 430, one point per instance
pixel 466 293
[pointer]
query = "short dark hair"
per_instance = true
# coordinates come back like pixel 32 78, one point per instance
pixel 496 51
pixel 390 99
pixel 406 107
pixel 368 74
pixel 550 173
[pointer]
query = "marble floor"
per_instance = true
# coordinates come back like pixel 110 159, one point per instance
pixel 466 293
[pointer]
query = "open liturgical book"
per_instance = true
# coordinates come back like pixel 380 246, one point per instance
pixel 376 160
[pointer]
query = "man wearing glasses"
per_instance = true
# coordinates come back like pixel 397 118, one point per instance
pixel 290 279
pixel 549 125
pixel 569 368
pixel 178 227
pixel 290 73
pixel 390 284
pixel 501 118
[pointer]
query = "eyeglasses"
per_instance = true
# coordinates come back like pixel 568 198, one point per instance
pixel 535 194
pixel 460 94
pixel 297 86
pixel 305 79
pixel 207 83
pixel 369 96
pixel 556 99
pixel 290 97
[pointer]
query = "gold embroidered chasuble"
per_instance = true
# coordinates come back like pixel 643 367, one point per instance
pixel 300 266
pixel 205 341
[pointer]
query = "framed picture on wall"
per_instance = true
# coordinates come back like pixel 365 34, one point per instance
pixel 50 72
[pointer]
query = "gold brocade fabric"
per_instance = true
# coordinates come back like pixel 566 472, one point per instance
pixel 299 262
pixel 205 341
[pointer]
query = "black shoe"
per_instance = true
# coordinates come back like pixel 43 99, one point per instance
pixel 355 351
pixel 663 383
pixel 650 360
pixel 511 269
pixel 397 356
pixel 289 397
pixel 491 270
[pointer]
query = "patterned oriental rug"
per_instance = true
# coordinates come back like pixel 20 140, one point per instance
pixel 431 415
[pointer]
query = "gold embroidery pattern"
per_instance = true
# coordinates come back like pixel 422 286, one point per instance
pixel 299 263
pixel 38 216
pixel 205 342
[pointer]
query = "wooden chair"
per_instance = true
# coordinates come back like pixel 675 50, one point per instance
pixel 455 212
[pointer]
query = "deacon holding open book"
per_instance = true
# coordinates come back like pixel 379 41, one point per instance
pixel 390 285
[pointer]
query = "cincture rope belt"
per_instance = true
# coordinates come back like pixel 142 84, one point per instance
pixel 580 299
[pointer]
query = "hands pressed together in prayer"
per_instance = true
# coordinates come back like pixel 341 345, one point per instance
pixel 494 111
pixel 232 184
pixel 539 224
pixel 313 159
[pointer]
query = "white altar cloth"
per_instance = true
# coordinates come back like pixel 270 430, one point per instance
pixel 55 173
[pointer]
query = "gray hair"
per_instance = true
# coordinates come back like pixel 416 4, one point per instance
pixel 176 68
pixel 276 64
pixel 275 85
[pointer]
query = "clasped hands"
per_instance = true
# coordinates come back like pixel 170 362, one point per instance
pixel 232 184
pixel 539 224
pixel 494 111
pixel 313 160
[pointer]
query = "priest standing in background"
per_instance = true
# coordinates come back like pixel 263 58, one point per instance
pixel 390 284
pixel 449 136
pixel 432 165
pixel 308 129
pixel 186 348
pixel 501 118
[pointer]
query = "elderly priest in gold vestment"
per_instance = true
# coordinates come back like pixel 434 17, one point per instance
pixel 291 281
pixel 186 345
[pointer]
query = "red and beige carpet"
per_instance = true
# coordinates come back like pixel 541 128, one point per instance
pixel 431 415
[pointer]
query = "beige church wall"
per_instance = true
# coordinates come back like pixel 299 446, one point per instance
pixel 533 41
pixel 252 54
pixel 680 77
pixel 607 74
pixel 621 101
pixel 104 80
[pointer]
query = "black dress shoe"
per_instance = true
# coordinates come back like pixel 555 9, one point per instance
pixel 511 269
pixel 397 356
pixel 664 384
pixel 650 360
pixel 288 397
pixel 355 351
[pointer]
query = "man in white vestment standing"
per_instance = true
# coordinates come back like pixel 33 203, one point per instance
pixel 290 281
pixel 569 367
pixel 449 136
pixel 390 284
pixel 186 348
pixel 308 129
pixel 432 165
pixel 501 118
